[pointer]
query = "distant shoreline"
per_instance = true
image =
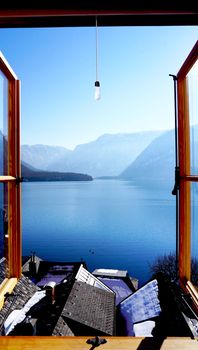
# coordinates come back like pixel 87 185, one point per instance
pixel 30 175
pixel 107 178
pixel 29 179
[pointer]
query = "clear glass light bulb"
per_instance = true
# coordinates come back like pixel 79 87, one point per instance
pixel 97 94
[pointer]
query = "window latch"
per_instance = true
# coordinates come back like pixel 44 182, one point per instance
pixel 18 180
pixel 96 341
pixel 177 181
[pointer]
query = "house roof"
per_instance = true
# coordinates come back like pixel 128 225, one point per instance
pixel 84 275
pixel 120 288
pixel 91 307
pixel 45 313
pixel 3 269
pixel 117 280
pixel 83 309
pixel 56 271
pixel 26 260
pixel 110 273
pixel 69 307
pixel 22 292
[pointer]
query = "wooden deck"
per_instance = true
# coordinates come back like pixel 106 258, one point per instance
pixel 113 343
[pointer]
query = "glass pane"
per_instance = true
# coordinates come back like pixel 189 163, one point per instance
pixel 3 124
pixel 194 233
pixel 3 230
pixel 193 116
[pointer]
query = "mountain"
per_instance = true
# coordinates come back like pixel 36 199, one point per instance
pixel 109 154
pixel 156 163
pixel 194 147
pixel 31 174
pixel 27 167
pixel 145 157
pixel 41 156
pixel 106 156
pixel 3 147
pixel 1 144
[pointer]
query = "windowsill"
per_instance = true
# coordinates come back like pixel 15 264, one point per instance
pixel 113 343
pixel 7 178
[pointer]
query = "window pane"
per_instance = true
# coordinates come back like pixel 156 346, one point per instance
pixel 3 229
pixel 3 124
pixel 194 232
pixel 193 116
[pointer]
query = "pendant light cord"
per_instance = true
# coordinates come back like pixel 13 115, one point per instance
pixel 96 49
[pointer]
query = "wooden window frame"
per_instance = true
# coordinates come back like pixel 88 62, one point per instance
pixel 185 175
pixel 182 14
pixel 12 180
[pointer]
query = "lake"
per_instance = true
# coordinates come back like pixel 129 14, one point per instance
pixel 107 223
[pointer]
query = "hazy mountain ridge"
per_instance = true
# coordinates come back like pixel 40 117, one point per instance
pixel 156 163
pixel 151 155
pixel 30 173
pixel 40 156
pixel 106 156
pixel 3 145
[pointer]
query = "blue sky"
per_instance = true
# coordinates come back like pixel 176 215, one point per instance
pixel 56 67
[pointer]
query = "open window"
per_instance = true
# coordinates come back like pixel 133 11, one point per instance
pixel 187 82
pixel 10 213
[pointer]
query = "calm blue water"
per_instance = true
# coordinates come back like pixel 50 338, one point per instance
pixel 107 223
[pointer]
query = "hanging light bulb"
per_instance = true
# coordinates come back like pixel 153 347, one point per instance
pixel 97 94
